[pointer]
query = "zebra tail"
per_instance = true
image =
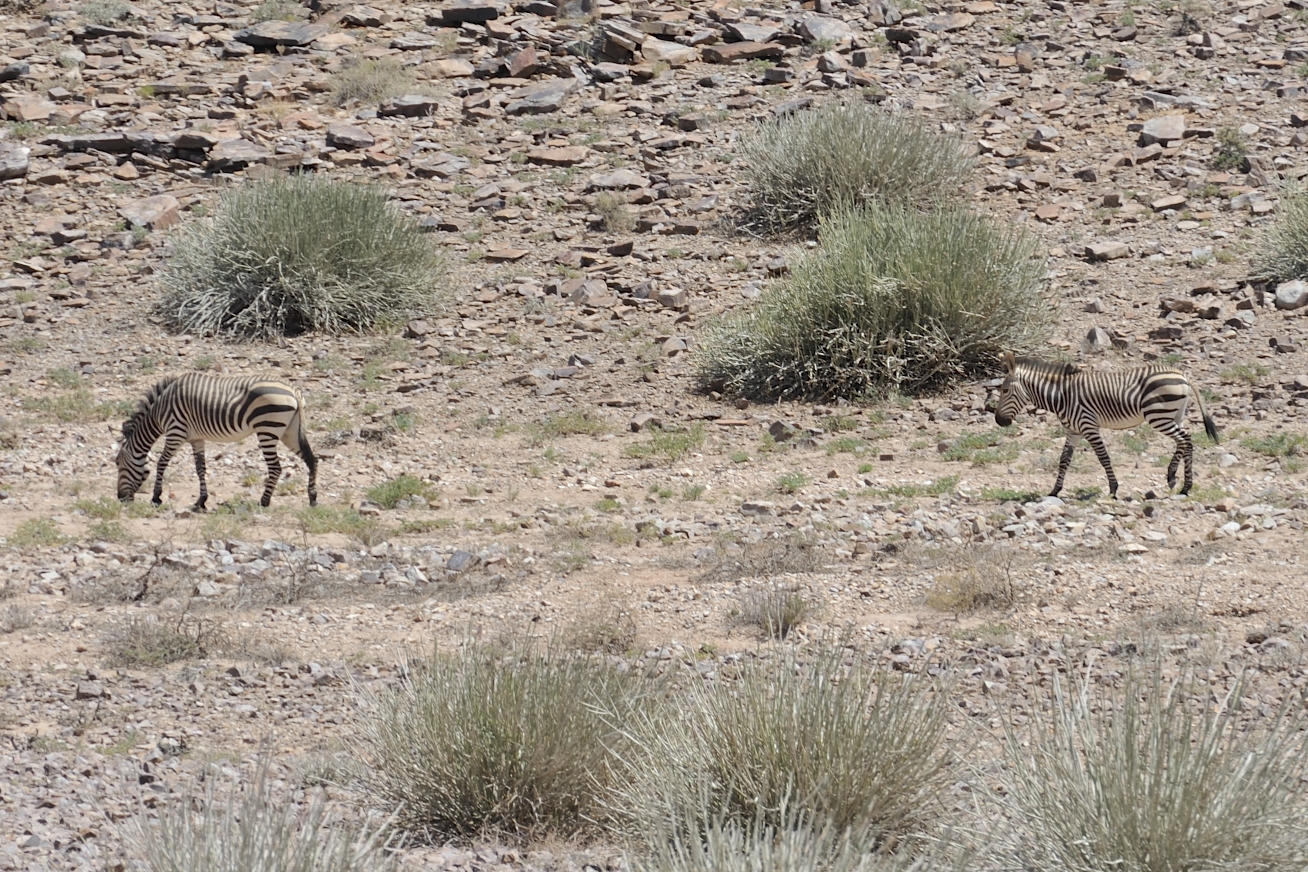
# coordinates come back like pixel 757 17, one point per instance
pixel 302 439
pixel 1209 427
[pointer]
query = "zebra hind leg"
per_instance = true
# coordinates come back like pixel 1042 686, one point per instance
pixel 1184 445
pixel 198 448
pixel 268 442
pixel 1101 451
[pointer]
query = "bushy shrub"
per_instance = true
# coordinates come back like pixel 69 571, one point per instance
pixel 854 747
pixel 892 298
pixel 842 153
pixel 494 740
pixel 249 828
pixel 1282 253
pixel 1158 777
pixel 296 254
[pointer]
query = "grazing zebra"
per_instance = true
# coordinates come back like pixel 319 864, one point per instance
pixel 1086 400
pixel 196 408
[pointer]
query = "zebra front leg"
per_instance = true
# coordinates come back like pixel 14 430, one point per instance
pixel 1101 451
pixel 198 448
pixel 268 443
pixel 1069 448
pixel 165 456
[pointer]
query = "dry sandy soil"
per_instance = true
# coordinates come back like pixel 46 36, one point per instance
pixel 546 511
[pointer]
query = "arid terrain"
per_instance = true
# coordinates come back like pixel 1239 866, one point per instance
pixel 575 481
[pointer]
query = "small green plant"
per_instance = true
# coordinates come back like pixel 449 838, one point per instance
pixel 106 12
pixel 1230 154
pixel 403 487
pixel 1009 495
pixel 276 10
pixel 615 216
pixel 791 482
pixel 78 405
pixel 981 449
pixel 295 254
pixel 108 531
pixel 739 457
pixel 102 508
pixel 35 533
pixel 846 445
pixel 669 443
pixel 940 486
pixel 1281 253
pixel 203 363
pixel 692 492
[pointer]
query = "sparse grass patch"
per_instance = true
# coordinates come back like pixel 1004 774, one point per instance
pixel 982 449
pixel 494 740
pixel 972 579
pixel 846 445
pixel 1009 495
pixel 614 213
pixel 36 533
pixel 1277 444
pixel 1157 774
pixel 775 609
pixel 295 254
pixel 849 744
pixel 574 422
pixel 108 531
pixel 371 81
pixel 942 485
pixel 1249 373
pixel 892 300
pixel 670 443
pixel 77 405
pixel 1281 253
pixel 389 493
pixel 608 626
pixel 791 482
pixel 320 520
pixel 106 12
pixel 148 642
pixel 229 825
pixel 277 10
pixel 14 618
pixel 844 152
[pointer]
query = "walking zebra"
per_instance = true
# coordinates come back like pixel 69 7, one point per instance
pixel 196 408
pixel 1085 401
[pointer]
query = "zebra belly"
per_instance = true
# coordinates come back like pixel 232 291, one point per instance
pixel 197 433
pixel 1121 423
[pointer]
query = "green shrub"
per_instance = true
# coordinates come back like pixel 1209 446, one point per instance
pixel 370 81
pixel 807 165
pixel 891 300
pixel 494 740
pixel 1282 252
pixel 853 746
pixel 249 827
pixel 672 443
pixel 296 254
pixel 775 609
pixel 35 533
pixel 146 641
pixel 1230 154
pixel 106 12
pixel 1157 776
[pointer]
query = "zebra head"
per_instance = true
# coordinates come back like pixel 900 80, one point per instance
pixel 130 461
pixel 1014 398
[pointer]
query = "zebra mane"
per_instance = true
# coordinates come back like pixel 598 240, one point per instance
pixel 1037 366
pixel 145 405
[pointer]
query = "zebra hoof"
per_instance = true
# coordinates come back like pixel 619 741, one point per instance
pixel 264 502
pixel 313 502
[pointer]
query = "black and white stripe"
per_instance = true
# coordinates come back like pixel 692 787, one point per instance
pixel 1086 401
pixel 199 408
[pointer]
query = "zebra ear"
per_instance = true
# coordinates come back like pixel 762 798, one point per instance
pixel 1010 362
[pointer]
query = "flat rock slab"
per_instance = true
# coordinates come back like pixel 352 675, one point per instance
pixel 1165 128
pixel 819 28
pixel 349 136
pixel 409 106
pixel 948 23
pixel 619 178
pixel 674 54
pixel 13 161
pixel 470 11
pixel 153 213
pixel 28 107
pixel 542 97
pixel 743 31
pixel 236 153
pixel 1108 250
pixel 562 156
pixel 270 34
pixel 1292 295
pixel 732 52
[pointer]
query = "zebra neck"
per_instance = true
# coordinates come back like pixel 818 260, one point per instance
pixel 147 433
pixel 1046 394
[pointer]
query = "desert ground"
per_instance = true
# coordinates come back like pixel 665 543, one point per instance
pixel 573 479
